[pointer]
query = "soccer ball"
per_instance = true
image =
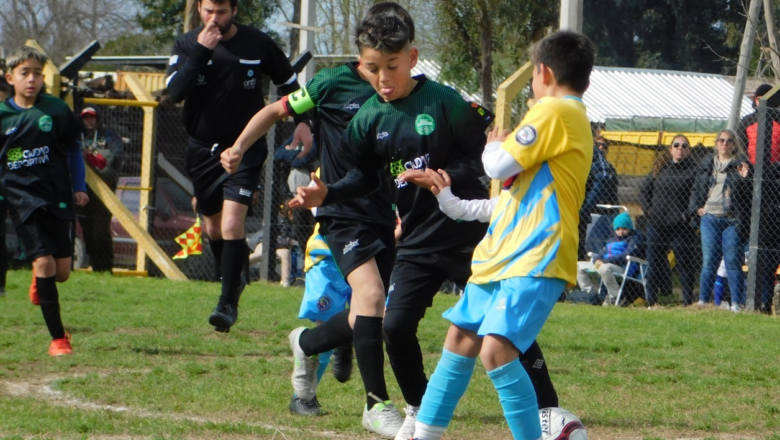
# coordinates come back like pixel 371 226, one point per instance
pixel 560 424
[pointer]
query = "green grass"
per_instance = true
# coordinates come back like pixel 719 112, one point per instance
pixel 147 365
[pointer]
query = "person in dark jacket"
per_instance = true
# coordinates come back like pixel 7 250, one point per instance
pixel 612 259
pixel 601 188
pixel 721 198
pixel 665 195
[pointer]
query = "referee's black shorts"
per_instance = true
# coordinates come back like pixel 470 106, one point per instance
pixel 417 278
pixel 352 244
pixel 42 234
pixel 213 185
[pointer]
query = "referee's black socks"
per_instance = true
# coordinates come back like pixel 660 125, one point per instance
pixel 216 249
pixel 50 305
pixel 234 253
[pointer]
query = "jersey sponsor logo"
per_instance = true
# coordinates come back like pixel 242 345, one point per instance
pixel 399 166
pixel 201 80
pixel 349 246
pixel 424 124
pixel 173 60
pixel 245 192
pixel 250 83
pixel 45 123
pixel 351 106
pixel 18 158
pixel 10 131
pixel 250 73
pixel 323 304
pixel 526 135
pixel 501 304
pixel 382 135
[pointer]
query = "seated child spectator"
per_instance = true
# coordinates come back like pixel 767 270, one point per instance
pixel 625 242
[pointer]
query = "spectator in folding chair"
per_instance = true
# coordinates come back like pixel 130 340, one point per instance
pixel 626 241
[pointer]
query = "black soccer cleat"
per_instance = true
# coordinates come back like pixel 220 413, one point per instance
pixel 341 362
pixel 223 317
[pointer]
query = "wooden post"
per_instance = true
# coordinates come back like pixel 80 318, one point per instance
pixel 744 62
pixel 505 94
pixel 769 18
pixel 191 16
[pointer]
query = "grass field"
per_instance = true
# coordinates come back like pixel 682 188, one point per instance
pixel 148 366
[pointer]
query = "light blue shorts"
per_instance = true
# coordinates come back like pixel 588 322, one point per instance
pixel 515 308
pixel 326 294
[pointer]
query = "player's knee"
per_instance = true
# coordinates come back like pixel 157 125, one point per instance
pixel 396 328
pixel 61 277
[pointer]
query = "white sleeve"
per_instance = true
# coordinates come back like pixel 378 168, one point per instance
pixel 467 210
pixel 498 163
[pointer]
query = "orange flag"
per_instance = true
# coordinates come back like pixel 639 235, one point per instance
pixel 190 241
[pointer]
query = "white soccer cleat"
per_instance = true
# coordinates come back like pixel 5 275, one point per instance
pixel 407 429
pixel 304 376
pixel 383 419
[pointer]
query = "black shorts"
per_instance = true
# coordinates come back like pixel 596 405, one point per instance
pixel 352 244
pixel 213 185
pixel 42 234
pixel 417 278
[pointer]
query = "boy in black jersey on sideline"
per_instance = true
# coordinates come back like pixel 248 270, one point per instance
pixel 411 125
pixel 40 153
pixel 360 233
pixel 217 68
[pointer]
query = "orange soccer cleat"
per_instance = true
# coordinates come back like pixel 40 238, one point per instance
pixel 34 291
pixel 61 347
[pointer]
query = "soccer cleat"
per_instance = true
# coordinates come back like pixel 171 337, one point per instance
pixel 223 317
pixel 383 419
pixel 305 407
pixel 61 347
pixel 34 291
pixel 304 376
pixel 407 429
pixel 342 363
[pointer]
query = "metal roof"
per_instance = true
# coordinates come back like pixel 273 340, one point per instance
pixel 621 93
pixel 432 70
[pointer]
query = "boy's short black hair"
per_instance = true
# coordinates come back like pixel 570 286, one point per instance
pixel 393 8
pixel 570 55
pixel 23 54
pixel 6 88
pixel 233 3
pixel 385 32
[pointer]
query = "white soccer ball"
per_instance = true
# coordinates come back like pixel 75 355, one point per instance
pixel 560 424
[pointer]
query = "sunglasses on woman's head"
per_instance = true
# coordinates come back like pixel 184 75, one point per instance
pixel 602 144
pixel 680 145
pixel 726 141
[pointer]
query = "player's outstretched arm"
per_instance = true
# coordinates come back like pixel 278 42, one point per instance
pixel 257 127
pixel 311 196
pixel 454 207
pixel 498 163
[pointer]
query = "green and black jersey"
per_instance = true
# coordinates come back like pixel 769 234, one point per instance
pixel 337 94
pixel 433 127
pixel 34 170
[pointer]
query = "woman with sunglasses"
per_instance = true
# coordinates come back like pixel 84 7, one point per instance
pixel 665 195
pixel 721 198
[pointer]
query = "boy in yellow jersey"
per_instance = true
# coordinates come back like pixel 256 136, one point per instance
pixel 529 253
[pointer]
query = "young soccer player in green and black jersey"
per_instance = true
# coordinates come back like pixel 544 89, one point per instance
pixel 41 171
pixel 411 125
pixel 360 233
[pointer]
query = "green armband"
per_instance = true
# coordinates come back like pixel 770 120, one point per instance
pixel 300 101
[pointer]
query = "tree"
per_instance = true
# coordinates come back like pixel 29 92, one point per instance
pixel 165 18
pixel 484 36
pixel 63 27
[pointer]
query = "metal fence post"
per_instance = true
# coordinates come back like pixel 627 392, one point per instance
pixel 268 181
pixel 758 220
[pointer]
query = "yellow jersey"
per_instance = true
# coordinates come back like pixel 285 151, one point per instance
pixel 533 231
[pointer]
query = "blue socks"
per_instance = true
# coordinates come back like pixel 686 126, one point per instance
pixel 518 399
pixel 445 388
pixel 324 361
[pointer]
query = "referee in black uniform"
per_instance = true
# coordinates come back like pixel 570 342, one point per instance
pixel 217 69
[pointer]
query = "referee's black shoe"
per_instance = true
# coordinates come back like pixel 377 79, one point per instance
pixel 341 362
pixel 223 317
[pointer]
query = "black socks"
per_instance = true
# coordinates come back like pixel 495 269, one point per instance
pixel 370 355
pixel 330 335
pixel 234 254
pixel 50 306
pixel 216 249
pixel 536 367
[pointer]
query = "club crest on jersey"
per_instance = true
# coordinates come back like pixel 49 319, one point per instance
pixel 424 124
pixel 45 123
pixel 323 303
pixel 526 135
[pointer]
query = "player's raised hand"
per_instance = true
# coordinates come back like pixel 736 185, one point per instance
pixel 418 177
pixel 81 198
pixel 231 159
pixel 210 35
pixel 302 135
pixel 310 196
pixel 497 135
pixel 440 180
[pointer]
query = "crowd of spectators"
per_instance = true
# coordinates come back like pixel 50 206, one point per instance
pixel 697 208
